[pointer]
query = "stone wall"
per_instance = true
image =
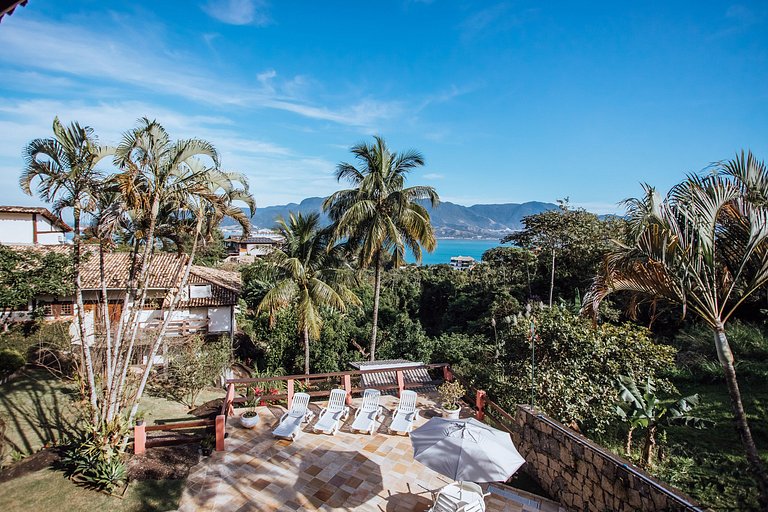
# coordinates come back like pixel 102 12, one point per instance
pixel 581 475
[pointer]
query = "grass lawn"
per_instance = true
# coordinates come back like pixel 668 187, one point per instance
pixel 40 409
pixel 710 464
pixel 51 490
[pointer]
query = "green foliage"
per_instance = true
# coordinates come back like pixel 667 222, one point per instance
pixel 450 394
pixel 197 365
pixel 641 408
pixel 576 365
pixel 10 361
pixel 213 251
pixel 578 239
pixel 93 458
pixel 27 274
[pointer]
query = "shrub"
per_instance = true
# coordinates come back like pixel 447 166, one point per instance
pixel 93 459
pixel 10 361
pixel 197 365
pixel 576 366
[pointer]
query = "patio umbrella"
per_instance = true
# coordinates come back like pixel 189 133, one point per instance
pixel 466 450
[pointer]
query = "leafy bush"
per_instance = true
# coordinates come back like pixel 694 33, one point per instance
pixel 197 365
pixel 10 361
pixel 576 366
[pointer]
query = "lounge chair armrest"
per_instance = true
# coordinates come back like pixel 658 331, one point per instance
pixel 285 415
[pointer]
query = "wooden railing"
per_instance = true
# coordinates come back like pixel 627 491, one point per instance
pixel 342 379
pixel 140 432
pixel 184 327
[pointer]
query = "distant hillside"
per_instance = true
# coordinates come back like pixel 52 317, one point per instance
pixel 450 220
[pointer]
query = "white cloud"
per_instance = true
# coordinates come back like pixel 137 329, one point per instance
pixel 276 174
pixel 433 176
pixel 237 12
pixel 129 62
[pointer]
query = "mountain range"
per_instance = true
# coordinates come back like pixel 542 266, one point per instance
pixel 449 220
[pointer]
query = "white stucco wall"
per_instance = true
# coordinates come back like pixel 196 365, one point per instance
pixel 16 228
pixel 220 319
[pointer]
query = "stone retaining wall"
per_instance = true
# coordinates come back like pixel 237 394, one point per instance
pixel 581 475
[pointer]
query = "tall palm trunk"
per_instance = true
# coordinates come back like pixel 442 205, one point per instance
pixel 376 294
pixel 306 350
pixel 552 279
pixel 85 349
pixel 107 331
pixel 725 355
pixel 161 335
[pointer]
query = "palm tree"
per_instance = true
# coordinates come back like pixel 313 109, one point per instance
pixel 703 247
pixel 311 275
pixel 208 197
pixel 65 169
pixel 379 216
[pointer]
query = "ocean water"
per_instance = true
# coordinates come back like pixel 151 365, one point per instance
pixel 454 247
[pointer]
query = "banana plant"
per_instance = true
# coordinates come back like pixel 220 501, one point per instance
pixel 641 408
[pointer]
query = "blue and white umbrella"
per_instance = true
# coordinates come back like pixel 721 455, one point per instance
pixel 466 450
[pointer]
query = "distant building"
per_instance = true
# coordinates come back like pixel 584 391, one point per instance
pixel 256 245
pixel 462 262
pixel 29 225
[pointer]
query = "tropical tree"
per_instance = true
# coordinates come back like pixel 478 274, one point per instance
pixel 310 275
pixel 64 169
pixel 703 247
pixel 570 243
pixel 642 408
pixel 379 216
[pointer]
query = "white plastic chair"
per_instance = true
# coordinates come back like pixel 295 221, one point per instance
pixel 366 417
pixel 332 415
pixel 405 415
pixel 290 422
pixel 460 497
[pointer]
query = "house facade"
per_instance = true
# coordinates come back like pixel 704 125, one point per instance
pixel 245 250
pixel 207 305
pixel 26 225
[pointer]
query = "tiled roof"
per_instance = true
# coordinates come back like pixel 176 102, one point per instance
pixel 38 210
pixel 225 287
pixel 257 240
pixel 165 271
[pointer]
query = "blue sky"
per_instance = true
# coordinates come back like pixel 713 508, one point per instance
pixel 509 102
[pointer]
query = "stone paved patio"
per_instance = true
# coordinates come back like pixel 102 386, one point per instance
pixel 348 471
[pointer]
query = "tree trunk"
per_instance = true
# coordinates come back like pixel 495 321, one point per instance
pixel 161 335
pixel 628 445
pixel 552 279
pixel 740 418
pixel 84 348
pixel 306 351
pixel 376 294
pixel 650 445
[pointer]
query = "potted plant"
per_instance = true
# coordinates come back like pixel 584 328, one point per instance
pixel 250 417
pixel 450 393
pixel 207 445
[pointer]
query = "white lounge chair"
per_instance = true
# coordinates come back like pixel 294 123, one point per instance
pixel 290 422
pixel 332 415
pixel 460 497
pixel 405 415
pixel 367 416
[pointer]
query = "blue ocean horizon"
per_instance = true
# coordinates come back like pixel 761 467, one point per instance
pixel 447 247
